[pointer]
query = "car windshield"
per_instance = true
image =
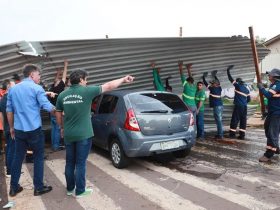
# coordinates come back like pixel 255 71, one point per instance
pixel 157 103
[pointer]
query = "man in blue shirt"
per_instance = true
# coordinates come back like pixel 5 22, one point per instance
pixel 25 100
pixel 272 121
pixel 215 101
pixel 241 99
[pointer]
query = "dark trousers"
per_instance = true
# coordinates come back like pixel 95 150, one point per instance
pixel 272 130
pixel 239 115
pixel 75 168
pixel 35 140
pixel 10 151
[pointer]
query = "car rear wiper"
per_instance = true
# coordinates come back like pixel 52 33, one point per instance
pixel 155 111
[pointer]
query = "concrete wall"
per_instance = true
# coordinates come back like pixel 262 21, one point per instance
pixel 273 59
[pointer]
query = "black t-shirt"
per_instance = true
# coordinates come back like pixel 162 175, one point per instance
pixel 56 89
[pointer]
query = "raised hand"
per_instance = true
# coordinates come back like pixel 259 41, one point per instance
pixel 230 67
pixel 128 79
pixel 214 73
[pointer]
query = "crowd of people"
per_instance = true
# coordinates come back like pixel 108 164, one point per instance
pixel 69 100
pixel 194 97
pixel 69 104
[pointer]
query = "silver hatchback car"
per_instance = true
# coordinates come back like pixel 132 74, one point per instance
pixel 141 123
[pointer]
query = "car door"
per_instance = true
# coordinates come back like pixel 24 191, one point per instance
pixel 103 119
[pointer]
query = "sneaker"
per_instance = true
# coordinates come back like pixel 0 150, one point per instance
pixel 218 137
pixel 264 159
pixel 57 149
pixel 69 193
pixel 42 191
pixel 241 137
pixel 200 139
pixel 8 175
pixel 62 147
pixel 13 192
pixel 87 191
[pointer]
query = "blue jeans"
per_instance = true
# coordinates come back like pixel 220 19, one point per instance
pixel 10 151
pixel 193 111
pixel 218 116
pixel 75 168
pixel 200 124
pixel 55 133
pixel 36 141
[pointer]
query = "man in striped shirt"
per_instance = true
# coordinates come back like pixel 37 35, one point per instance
pixel 272 121
pixel 241 99
pixel 215 101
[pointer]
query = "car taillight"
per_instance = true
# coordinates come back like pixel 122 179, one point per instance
pixel 191 120
pixel 131 121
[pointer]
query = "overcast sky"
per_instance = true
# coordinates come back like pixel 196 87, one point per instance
pixel 35 20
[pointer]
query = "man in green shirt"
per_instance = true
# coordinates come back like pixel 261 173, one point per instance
pixel 76 127
pixel 189 88
pixel 157 80
pixel 200 99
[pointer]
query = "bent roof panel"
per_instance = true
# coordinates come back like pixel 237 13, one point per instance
pixel 107 59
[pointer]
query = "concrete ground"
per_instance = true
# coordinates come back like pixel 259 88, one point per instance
pixel 216 175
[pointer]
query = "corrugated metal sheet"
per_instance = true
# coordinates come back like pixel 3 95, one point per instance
pixel 107 59
pixel 227 113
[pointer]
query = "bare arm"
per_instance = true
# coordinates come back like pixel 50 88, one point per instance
pixel 2 118
pixel 108 86
pixel 189 66
pixel 10 116
pixel 59 116
pixel 183 78
pixel 199 105
pixel 180 64
pixel 59 121
pixel 51 94
pixel 65 70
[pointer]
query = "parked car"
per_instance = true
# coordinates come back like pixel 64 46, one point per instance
pixel 141 123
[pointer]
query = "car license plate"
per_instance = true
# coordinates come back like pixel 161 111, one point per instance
pixel 169 145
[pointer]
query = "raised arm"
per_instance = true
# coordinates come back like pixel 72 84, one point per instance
pixel 267 93
pixel 180 65
pixel 189 67
pixel 228 73
pixel 204 80
pixel 214 74
pixel 108 86
pixel 157 80
pixel 64 74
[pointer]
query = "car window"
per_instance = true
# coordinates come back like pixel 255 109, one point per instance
pixel 94 103
pixel 157 103
pixel 108 104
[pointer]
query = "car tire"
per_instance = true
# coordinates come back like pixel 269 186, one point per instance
pixel 118 157
pixel 182 153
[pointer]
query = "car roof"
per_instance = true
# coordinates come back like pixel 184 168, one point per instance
pixel 127 92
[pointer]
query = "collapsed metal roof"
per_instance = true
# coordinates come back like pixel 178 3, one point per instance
pixel 107 59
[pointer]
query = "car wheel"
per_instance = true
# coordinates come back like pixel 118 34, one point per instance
pixel 182 153
pixel 119 159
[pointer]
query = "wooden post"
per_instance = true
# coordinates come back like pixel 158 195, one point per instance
pixel 256 61
pixel 181 32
